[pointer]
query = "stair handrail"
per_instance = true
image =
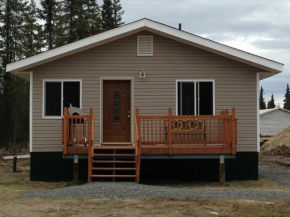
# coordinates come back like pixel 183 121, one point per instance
pixel 90 143
pixel 138 142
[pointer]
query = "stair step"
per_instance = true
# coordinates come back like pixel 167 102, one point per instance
pixel 115 168
pixel 113 147
pixel 112 161
pixel 116 155
pixel 113 176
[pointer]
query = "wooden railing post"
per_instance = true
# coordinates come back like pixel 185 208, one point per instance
pixel 223 126
pixel 138 122
pixel 234 131
pixel 90 142
pixel 170 131
pixel 65 130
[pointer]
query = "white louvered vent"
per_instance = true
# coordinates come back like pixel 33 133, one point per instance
pixel 145 46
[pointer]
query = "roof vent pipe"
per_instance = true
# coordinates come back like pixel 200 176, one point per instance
pixel 179 26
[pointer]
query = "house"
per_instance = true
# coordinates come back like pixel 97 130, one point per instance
pixel 159 103
pixel 273 121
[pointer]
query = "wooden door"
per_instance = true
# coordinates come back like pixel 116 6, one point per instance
pixel 116 111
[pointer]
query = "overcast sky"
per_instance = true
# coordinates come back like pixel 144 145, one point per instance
pixel 261 27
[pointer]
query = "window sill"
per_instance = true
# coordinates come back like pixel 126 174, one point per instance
pixel 52 117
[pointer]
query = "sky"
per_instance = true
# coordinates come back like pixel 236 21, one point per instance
pixel 261 27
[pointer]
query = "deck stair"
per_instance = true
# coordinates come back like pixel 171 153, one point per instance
pixel 114 163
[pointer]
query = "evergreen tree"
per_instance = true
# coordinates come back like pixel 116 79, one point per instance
pixel 107 15
pixel 49 13
pixel 287 99
pixel 79 19
pixel 271 103
pixel 117 13
pixel 262 100
pixel 14 95
pixel 92 17
pixel 32 40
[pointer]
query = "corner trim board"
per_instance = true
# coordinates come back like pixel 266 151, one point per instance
pixel 30 111
pixel 258 112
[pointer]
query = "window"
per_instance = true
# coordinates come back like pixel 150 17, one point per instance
pixel 145 46
pixel 195 97
pixel 60 94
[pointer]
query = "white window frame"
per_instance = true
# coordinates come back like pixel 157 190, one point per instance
pixel 61 81
pixel 195 81
pixel 144 36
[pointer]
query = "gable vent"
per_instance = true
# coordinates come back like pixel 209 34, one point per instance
pixel 145 46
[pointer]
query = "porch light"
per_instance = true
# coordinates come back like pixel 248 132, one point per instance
pixel 142 73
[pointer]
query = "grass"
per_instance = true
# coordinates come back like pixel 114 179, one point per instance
pixel 14 184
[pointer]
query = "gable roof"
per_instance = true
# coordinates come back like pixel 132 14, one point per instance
pixel 267 111
pixel 264 64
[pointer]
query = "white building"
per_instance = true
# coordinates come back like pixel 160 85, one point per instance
pixel 273 121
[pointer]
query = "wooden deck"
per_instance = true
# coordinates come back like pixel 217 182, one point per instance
pixel 154 135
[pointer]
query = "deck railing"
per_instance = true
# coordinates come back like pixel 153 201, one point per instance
pixel 173 130
pixel 77 130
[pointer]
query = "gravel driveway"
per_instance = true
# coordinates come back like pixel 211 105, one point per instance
pixel 281 176
pixel 140 191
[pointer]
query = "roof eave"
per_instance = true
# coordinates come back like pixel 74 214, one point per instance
pixel 268 65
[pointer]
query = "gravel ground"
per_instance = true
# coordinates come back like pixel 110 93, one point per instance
pixel 281 176
pixel 140 191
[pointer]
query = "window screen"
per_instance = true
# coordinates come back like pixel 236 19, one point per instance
pixel 52 99
pixel 71 94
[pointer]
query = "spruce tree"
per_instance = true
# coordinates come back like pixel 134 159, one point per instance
pixel 271 103
pixel 14 103
pixel 79 19
pixel 262 100
pixel 117 13
pixel 107 15
pixel 49 13
pixel 287 99
pixel 32 40
pixel 92 19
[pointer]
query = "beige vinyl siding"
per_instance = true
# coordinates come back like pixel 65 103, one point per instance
pixel 235 84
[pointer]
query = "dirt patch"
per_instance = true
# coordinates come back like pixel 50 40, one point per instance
pixel 14 184
pixel 131 208
pixel 278 145
pixel 275 161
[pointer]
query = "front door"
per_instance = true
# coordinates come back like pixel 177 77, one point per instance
pixel 116 111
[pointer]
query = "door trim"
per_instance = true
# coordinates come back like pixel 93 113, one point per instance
pixel 131 79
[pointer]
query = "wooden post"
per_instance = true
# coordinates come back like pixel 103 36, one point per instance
pixel 170 131
pixel 14 162
pixel 138 121
pixel 90 142
pixel 65 130
pixel 92 125
pixel 234 131
pixel 222 169
pixel 138 162
pixel 223 126
pixel 76 169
